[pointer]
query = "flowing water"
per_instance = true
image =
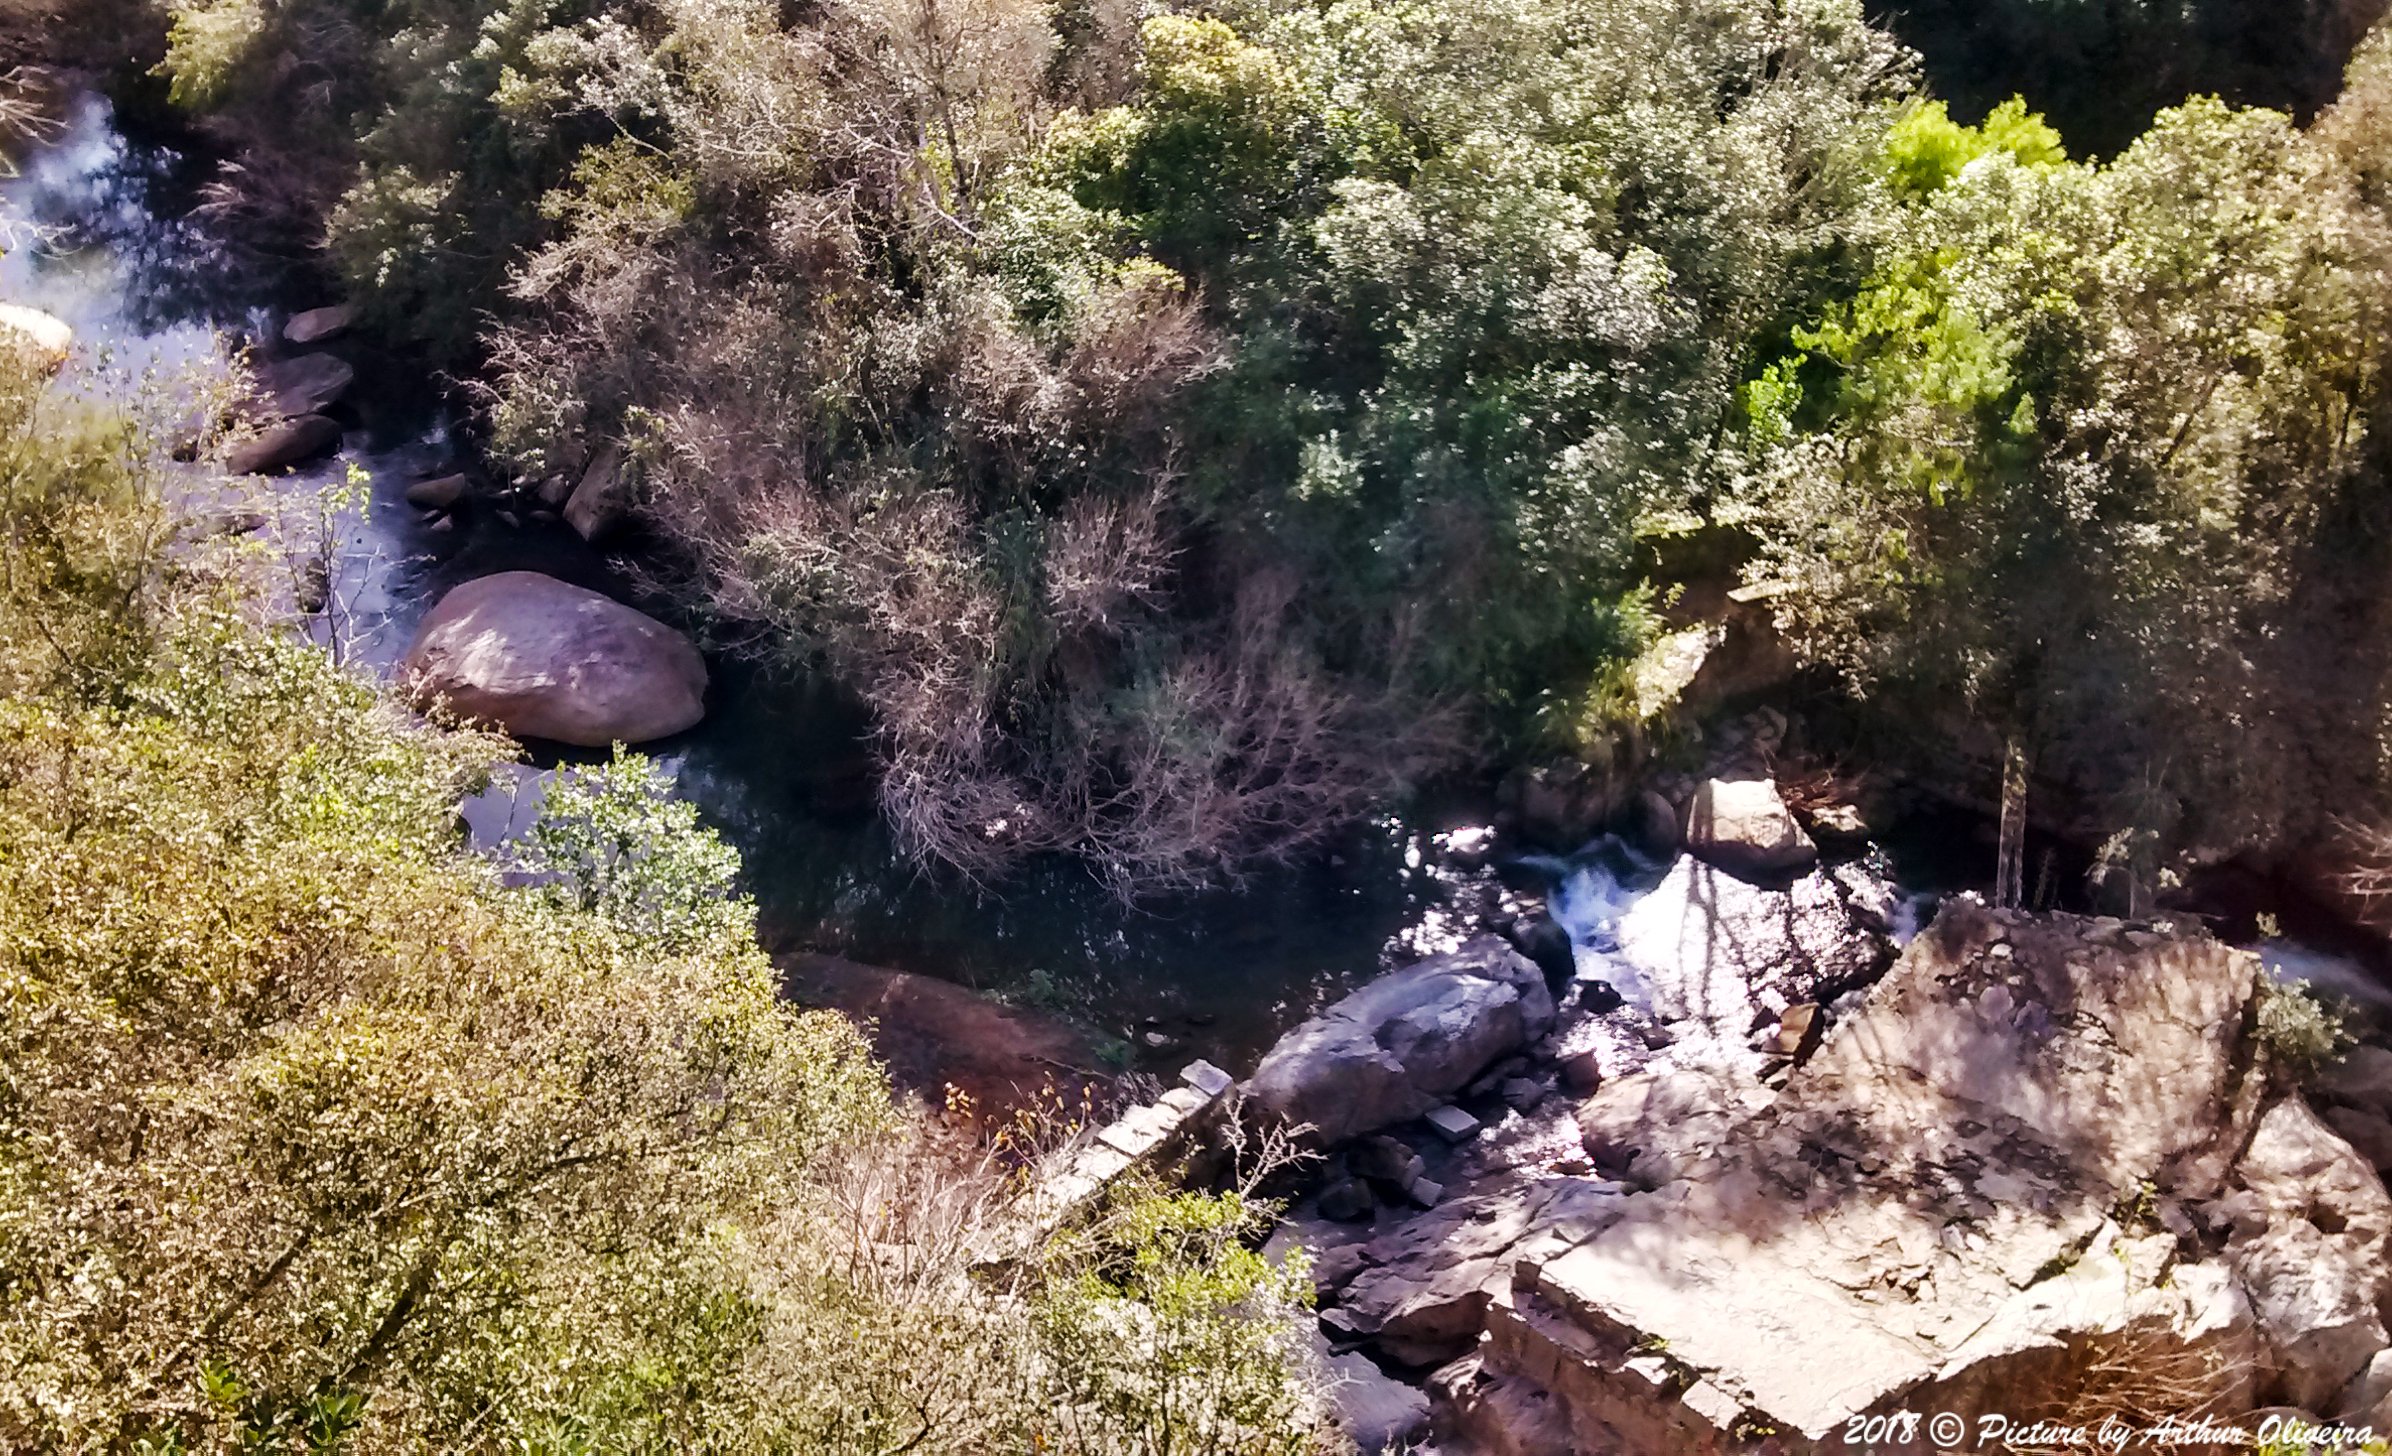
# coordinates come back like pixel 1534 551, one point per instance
pixel 99 234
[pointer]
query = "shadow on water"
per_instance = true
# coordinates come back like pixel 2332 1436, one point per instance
pixel 103 238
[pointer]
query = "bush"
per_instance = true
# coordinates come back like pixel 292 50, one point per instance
pixel 2300 1033
pixel 318 1127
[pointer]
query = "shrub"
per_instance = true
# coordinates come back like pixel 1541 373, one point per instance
pixel 318 1127
pixel 2299 1031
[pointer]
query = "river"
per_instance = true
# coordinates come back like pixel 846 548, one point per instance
pixel 99 234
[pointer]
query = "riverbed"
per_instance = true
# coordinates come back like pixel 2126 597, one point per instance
pixel 101 233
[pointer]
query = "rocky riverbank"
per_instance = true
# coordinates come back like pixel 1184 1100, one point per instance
pixel 2039 1166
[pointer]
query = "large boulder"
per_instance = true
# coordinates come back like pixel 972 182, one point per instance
pixel 2310 1223
pixel 307 385
pixel 1744 827
pixel 319 325
pixel 934 1035
pixel 1425 1285
pixel 544 659
pixel 292 442
pixel 1404 1043
pixel 1986 1193
pixel 441 493
pixel 1707 948
pixel 45 341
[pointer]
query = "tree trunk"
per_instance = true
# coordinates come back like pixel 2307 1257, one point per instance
pixel 2007 873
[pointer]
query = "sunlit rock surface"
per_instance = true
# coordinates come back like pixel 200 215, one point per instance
pixel 545 659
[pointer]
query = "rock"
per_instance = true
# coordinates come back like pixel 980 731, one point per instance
pixel 1521 1094
pixel 319 325
pixel 1657 827
pixel 1837 825
pixel 312 592
pixel 292 442
pixel 1660 1125
pixel 2368 1134
pixel 1426 1192
pixel 1798 1030
pixel 1386 1161
pixel 1452 1123
pixel 1424 1297
pixel 1206 1078
pixel 1923 1216
pixel 1348 1200
pixel 1380 1413
pixel 45 341
pixel 1743 827
pixel 543 659
pixel 307 385
pixel 599 504
pixel 1404 1043
pixel 2368 1397
pixel 1712 953
pixel 932 1034
pixel 443 493
pixel 1581 1073
pixel 1562 806
pixel 1335 1267
pixel 230 523
pixel 1546 943
pixel 2316 1270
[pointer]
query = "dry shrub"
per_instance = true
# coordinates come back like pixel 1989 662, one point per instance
pixel 868 460
pixel 2360 853
pixel 1106 556
pixel 2138 1377
pixel 988 1330
pixel 1235 754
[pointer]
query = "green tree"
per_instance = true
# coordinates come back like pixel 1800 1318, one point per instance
pixel 2061 461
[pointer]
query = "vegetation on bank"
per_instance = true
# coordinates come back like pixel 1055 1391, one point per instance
pixel 1184 429
pixel 318 1127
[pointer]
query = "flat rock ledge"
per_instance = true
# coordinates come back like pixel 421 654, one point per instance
pixel 2038 1170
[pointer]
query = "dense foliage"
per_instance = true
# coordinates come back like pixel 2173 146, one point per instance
pixel 1184 429
pixel 319 1127
pixel 2095 452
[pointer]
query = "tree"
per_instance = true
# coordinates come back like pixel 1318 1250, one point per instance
pixel 2062 459
pixel 320 1128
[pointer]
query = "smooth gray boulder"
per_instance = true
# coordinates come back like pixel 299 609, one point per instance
pixel 307 385
pixel 1745 828
pixel 544 659
pixel 442 493
pixel 1405 1043
pixel 317 325
pixel 292 442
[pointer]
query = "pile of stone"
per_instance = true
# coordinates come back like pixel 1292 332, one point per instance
pixel 2040 1166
